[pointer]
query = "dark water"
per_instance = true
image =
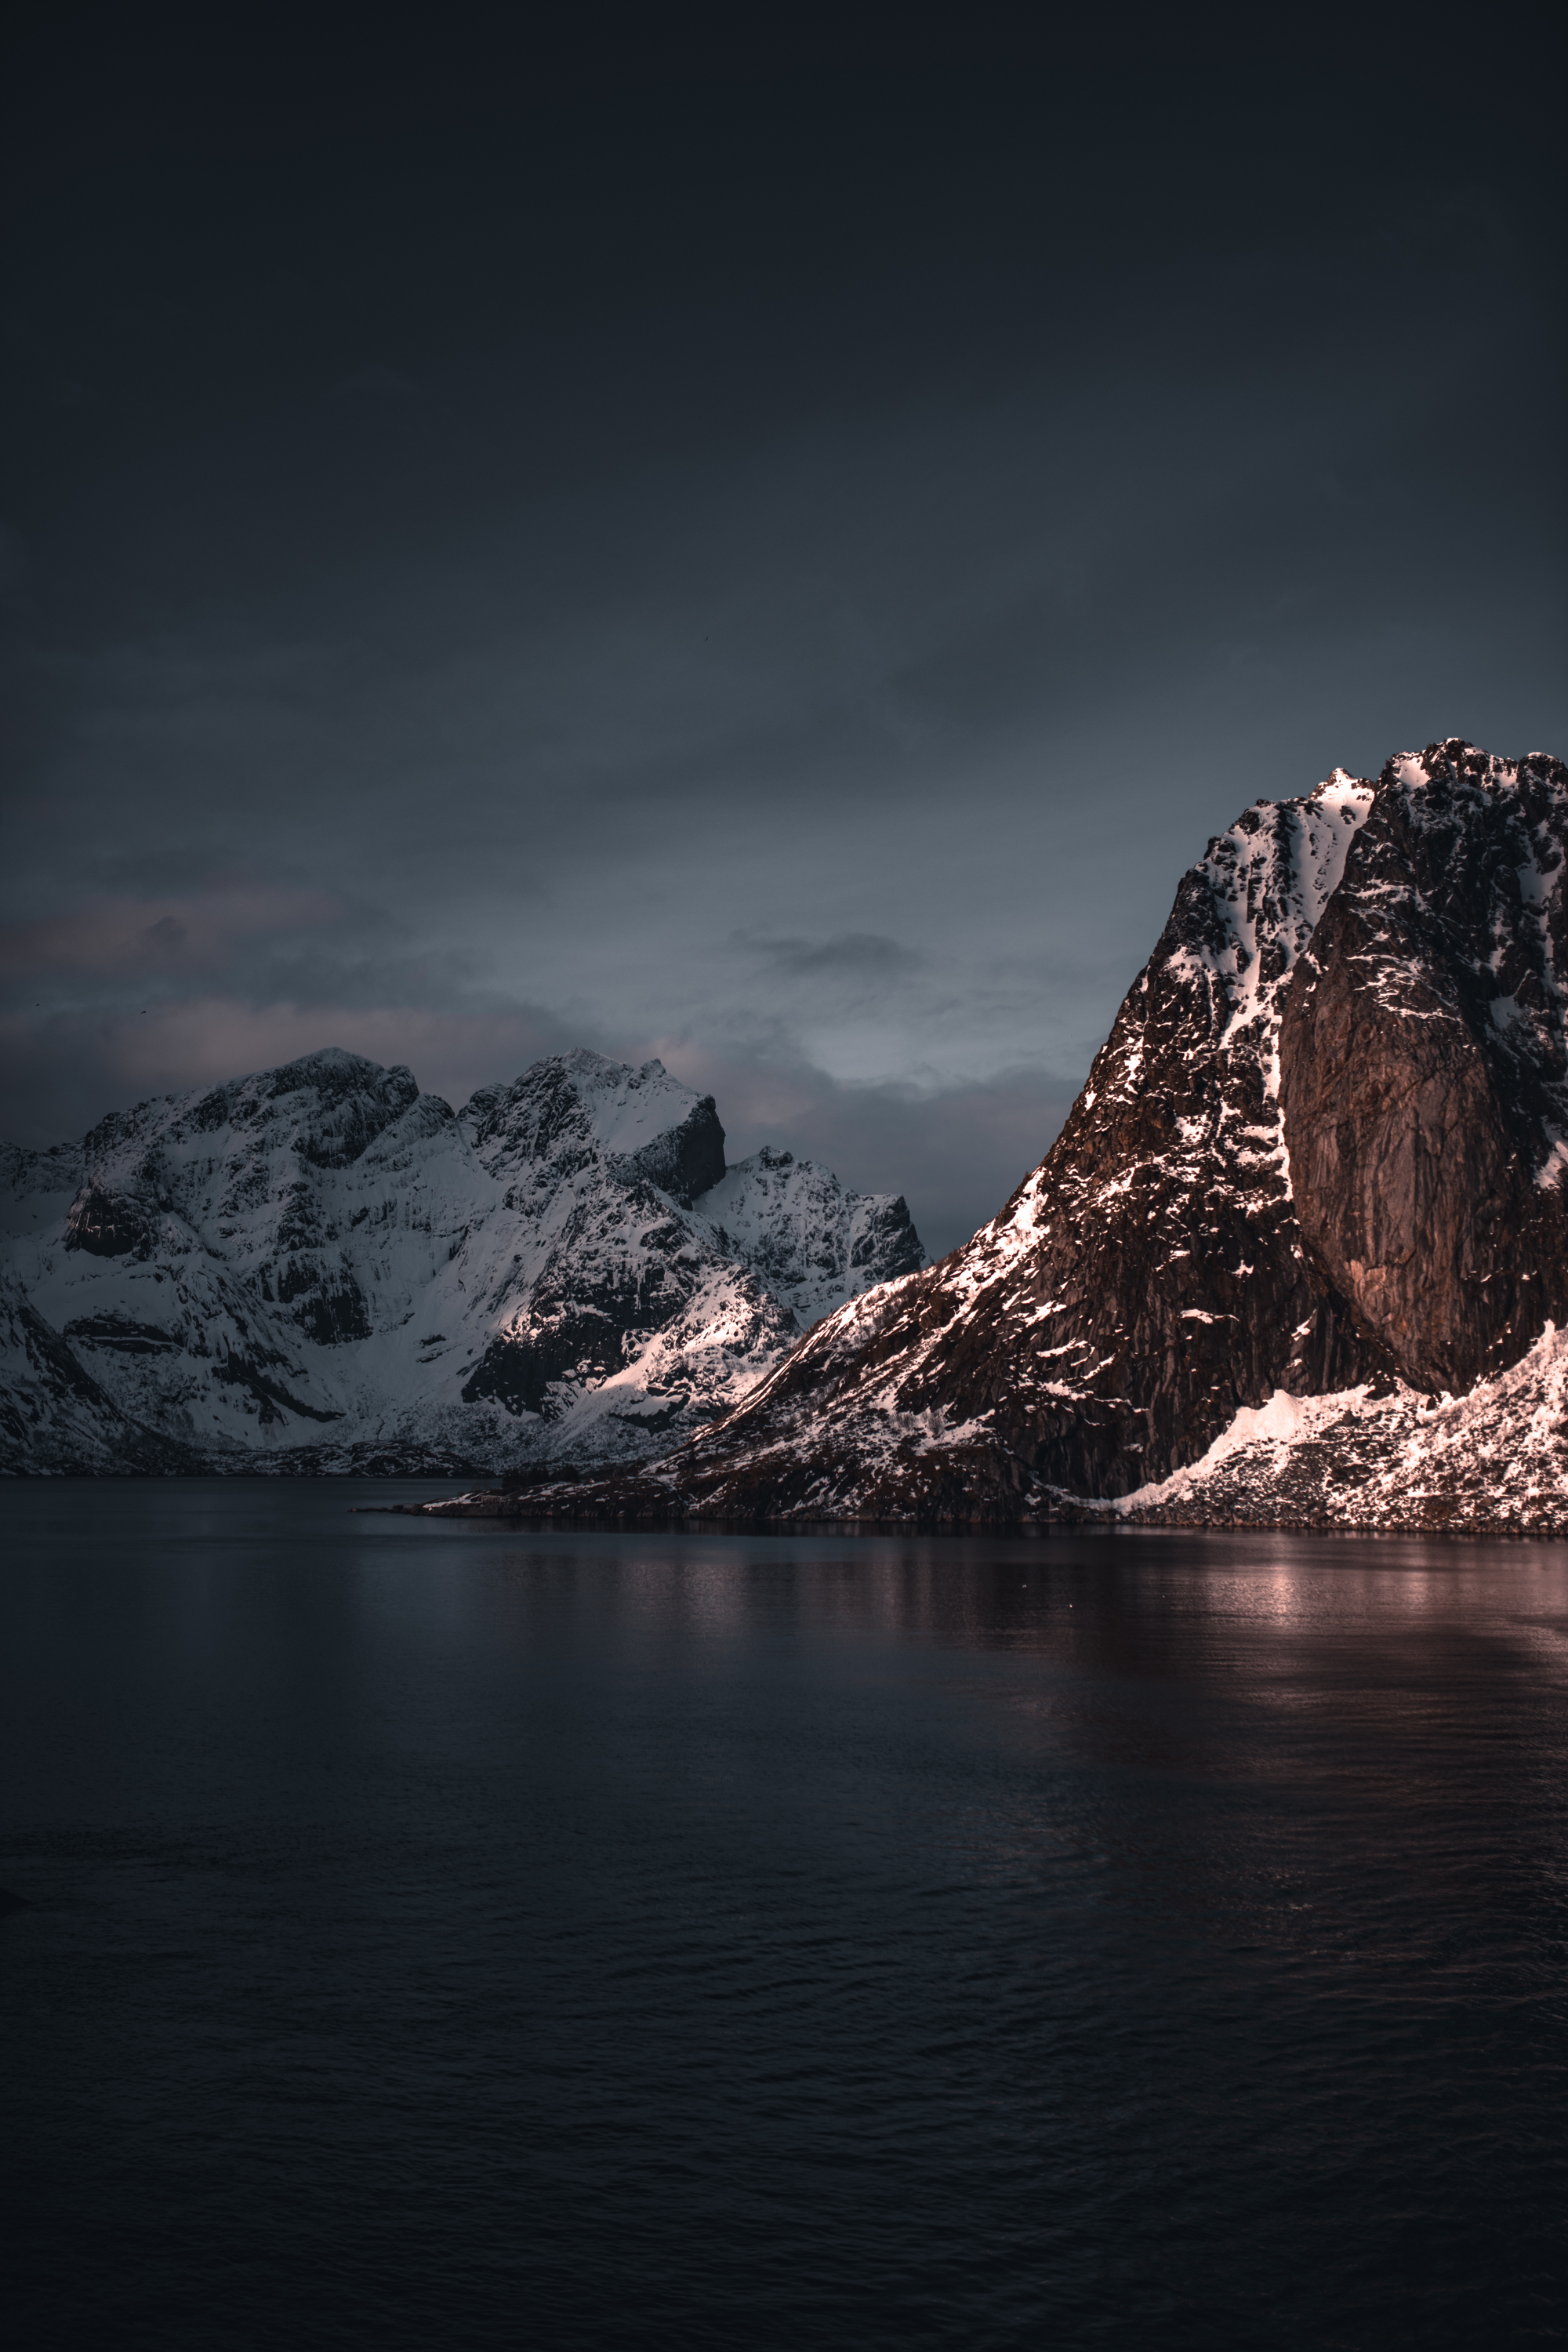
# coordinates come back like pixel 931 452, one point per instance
pixel 438 1937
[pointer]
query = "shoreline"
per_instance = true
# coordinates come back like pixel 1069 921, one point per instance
pixel 1111 1522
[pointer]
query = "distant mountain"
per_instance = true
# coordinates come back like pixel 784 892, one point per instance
pixel 1300 1255
pixel 319 1267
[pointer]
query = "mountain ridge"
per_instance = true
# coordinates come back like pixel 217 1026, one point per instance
pixel 319 1266
pixel 1319 1156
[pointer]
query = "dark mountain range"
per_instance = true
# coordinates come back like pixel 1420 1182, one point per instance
pixel 1299 1254
pixel 319 1267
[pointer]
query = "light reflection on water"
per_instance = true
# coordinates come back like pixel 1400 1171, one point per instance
pixel 445 1934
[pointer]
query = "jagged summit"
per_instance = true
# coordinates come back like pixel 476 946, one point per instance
pixel 1319 1153
pixel 809 1244
pixel 582 1102
pixel 322 1266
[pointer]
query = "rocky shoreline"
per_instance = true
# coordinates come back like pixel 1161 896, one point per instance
pixel 1438 1521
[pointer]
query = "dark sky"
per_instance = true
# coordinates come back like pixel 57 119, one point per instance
pixel 773 547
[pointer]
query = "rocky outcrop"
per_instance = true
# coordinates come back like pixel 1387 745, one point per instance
pixel 108 1225
pixel 322 1268
pixel 1320 1154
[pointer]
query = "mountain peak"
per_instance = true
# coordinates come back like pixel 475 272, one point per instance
pixel 583 1103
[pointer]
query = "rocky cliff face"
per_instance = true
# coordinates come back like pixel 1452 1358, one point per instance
pixel 1423 1067
pixel 1320 1154
pixel 322 1268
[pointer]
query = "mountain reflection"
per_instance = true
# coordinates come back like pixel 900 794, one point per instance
pixel 1318 1748
pixel 1121 1598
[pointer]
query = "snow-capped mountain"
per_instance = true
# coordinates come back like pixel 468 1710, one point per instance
pixel 318 1266
pixel 1319 1157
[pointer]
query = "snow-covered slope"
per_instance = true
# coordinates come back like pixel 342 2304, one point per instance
pixel 319 1266
pixel 1495 1458
pixel 1319 1156
pixel 53 1416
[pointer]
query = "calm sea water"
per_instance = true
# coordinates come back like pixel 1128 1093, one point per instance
pixel 443 1937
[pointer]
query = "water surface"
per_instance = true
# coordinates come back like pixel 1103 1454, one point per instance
pixel 439 1935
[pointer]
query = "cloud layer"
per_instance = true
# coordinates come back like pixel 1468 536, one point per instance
pixel 782 570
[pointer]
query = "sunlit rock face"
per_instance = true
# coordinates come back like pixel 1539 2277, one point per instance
pixel 1321 1153
pixel 1423 1074
pixel 320 1267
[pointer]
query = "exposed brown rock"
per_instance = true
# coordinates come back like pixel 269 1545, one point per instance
pixel 1422 1067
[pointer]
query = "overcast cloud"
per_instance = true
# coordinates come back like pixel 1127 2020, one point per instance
pixel 797 611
